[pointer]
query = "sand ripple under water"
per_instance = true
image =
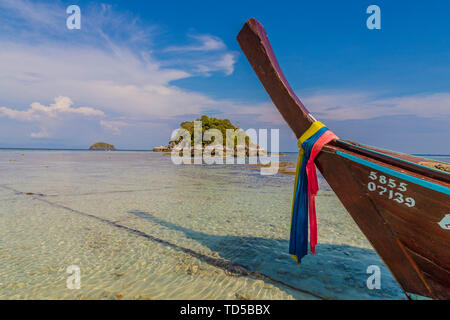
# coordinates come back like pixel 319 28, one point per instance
pixel 141 228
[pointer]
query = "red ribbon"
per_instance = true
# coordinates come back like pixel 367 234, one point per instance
pixel 313 185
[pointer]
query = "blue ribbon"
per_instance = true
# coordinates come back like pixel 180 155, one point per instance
pixel 298 243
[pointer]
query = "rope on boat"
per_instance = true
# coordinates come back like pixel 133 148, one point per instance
pixel 305 190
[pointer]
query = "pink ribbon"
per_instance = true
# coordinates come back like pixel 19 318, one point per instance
pixel 313 185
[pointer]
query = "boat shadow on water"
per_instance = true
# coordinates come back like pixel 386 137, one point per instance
pixel 334 272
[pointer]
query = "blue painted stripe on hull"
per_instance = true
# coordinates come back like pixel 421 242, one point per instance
pixel 413 296
pixel 421 182
pixel 396 158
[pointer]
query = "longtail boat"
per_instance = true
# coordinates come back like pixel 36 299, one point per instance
pixel 401 206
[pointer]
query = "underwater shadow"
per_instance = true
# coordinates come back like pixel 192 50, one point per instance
pixel 334 272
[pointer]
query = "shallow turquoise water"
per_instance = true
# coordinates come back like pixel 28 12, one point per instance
pixel 140 227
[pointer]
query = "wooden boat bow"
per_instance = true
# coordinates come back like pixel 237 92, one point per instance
pixel 400 205
pixel 256 46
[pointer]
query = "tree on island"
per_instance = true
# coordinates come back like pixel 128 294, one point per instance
pixel 102 146
pixel 238 139
pixel 214 123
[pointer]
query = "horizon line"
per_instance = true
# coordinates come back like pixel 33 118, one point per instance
pixel 149 150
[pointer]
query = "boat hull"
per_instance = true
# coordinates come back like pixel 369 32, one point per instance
pixel 401 206
pixel 398 215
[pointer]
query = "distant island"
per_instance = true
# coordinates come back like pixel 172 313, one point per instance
pixel 214 123
pixel 102 146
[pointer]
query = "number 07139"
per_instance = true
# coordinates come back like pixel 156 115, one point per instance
pixel 393 189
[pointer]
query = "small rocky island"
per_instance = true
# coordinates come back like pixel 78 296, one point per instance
pixel 102 146
pixel 221 125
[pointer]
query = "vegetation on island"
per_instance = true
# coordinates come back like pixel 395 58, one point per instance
pixel 102 146
pixel 212 129
pixel 214 123
pixel 239 140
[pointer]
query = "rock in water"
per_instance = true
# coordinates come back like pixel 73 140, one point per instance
pixel 102 146
pixel 161 149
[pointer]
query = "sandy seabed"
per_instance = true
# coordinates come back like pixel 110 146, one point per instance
pixel 140 227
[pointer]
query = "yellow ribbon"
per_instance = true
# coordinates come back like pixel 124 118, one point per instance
pixel 315 126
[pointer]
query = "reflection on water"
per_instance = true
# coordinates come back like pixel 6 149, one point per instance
pixel 141 228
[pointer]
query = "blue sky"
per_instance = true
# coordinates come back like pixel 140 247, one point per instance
pixel 136 69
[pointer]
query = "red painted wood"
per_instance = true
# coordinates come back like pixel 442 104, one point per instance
pixel 256 46
pixel 351 192
pixel 410 163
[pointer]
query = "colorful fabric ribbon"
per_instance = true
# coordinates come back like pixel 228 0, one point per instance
pixel 305 189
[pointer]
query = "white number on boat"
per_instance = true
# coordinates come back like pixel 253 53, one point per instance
pixel 410 202
pixel 390 188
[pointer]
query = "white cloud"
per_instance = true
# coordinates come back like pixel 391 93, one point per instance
pixel 363 105
pixel 208 54
pixel 37 111
pixel 41 134
pixel 225 63
pixel 51 116
pixel 203 43
pixel 104 67
pixel 113 63
pixel 32 12
pixel 113 125
pixel 122 83
pixel 351 106
pixel 260 113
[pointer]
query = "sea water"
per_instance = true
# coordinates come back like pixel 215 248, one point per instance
pixel 136 226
